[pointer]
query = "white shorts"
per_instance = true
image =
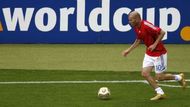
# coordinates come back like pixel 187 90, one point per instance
pixel 159 62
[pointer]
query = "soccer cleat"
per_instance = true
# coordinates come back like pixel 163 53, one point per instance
pixel 182 82
pixel 158 97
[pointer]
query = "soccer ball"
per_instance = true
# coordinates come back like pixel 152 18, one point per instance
pixel 104 93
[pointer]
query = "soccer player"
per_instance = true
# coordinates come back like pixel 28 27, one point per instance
pixel 155 56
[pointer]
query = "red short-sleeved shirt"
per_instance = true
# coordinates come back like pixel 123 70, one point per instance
pixel 148 33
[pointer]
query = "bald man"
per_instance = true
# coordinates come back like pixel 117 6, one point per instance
pixel 155 56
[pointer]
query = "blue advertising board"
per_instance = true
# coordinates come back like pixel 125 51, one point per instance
pixel 89 21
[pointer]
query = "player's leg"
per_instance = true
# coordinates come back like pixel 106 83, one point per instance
pixel 166 76
pixel 161 65
pixel 148 65
pixel 146 74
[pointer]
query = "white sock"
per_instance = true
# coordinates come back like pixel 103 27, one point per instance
pixel 159 90
pixel 177 77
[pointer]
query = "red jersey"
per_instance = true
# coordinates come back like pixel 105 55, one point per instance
pixel 148 33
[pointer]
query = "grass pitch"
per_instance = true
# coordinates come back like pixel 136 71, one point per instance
pixel 92 57
pixel 23 68
pixel 82 94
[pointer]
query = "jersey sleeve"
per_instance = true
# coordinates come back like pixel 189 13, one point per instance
pixel 154 30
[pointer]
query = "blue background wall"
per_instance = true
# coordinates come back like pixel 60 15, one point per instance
pixel 33 35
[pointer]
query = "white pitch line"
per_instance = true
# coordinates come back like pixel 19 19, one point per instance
pixel 87 82
pixel 174 80
pixel 72 82
pixel 173 86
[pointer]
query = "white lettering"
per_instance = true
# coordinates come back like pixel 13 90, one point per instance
pixel 175 20
pixel 51 20
pixel 117 19
pixel 150 14
pixel 18 18
pixel 64 18
pixel 104 11
pixel 81 17
pixel 45 19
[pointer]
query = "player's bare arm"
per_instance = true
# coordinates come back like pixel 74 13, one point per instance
pixel 133 46
pixel 160 36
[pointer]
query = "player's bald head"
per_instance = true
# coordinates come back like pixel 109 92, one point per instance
pixel 134 18
pixel 134 14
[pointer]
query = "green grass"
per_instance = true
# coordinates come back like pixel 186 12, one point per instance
pixel 93 57
pixel 75 62
pixel 83 95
